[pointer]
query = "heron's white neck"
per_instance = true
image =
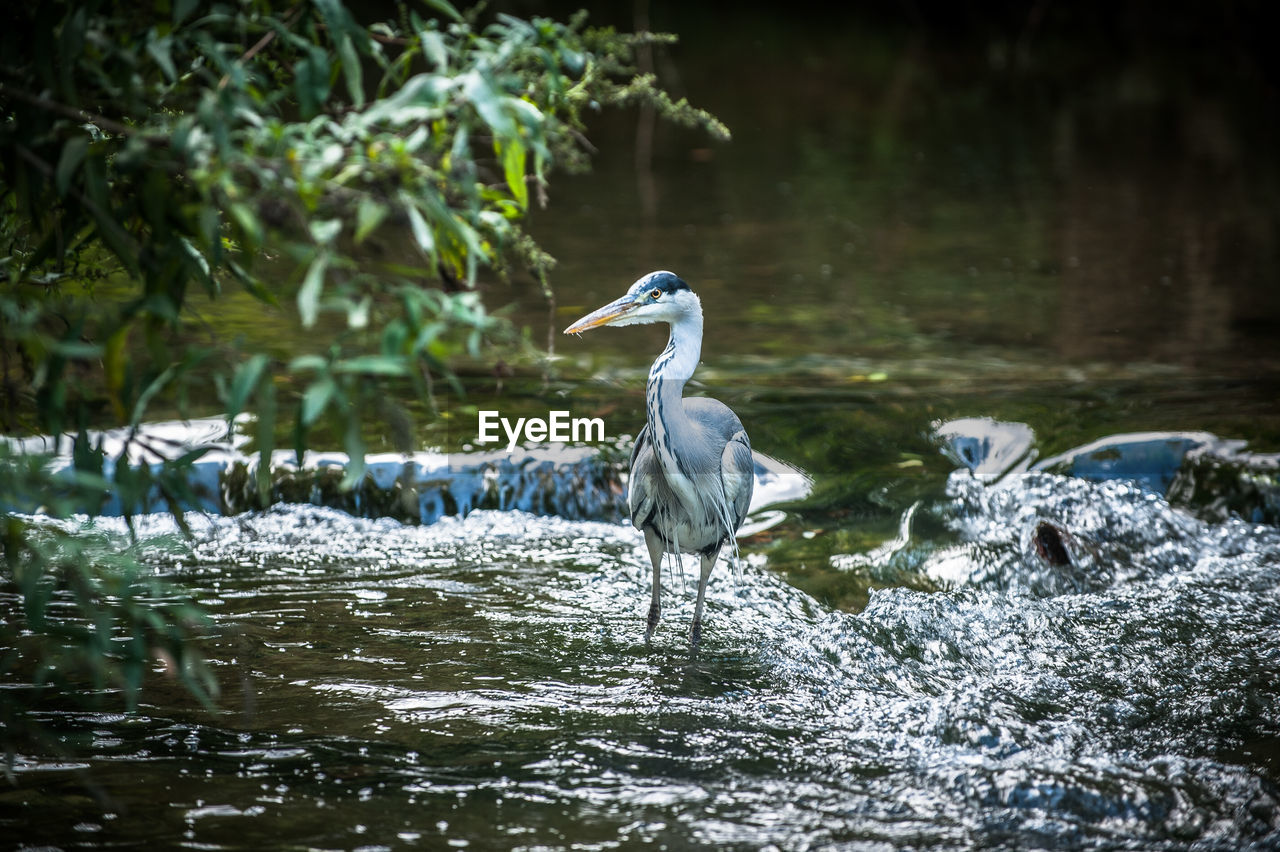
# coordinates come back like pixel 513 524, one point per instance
pixel 677 362
pixel 665 390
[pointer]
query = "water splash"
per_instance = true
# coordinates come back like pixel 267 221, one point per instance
pixel 490 675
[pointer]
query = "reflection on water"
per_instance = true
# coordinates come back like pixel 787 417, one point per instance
pixel 1068 189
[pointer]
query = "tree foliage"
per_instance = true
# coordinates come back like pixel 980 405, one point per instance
pixel 357 176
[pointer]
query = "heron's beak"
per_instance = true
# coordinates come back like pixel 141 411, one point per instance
pixel 605 315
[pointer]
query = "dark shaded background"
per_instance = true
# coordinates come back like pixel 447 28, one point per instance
pixel 1074 182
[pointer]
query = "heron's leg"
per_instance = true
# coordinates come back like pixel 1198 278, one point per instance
pixel 708 562
pixel 652 539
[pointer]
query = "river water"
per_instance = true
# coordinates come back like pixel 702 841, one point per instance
pixel 483 682
pixel 957 294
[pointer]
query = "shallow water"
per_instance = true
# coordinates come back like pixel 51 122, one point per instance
pixel 911 227
pixel 485 682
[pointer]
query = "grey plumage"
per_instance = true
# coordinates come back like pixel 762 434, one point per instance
pixel 722 448
pixel 691 468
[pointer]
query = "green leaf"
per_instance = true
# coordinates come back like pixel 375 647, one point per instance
pixel 352 71
pixel 358 313
pixel 372 365
pixel 490 104
pixel 342 29
pixel 70 44
pixel 312 287
pixel 369 215
pixel 161 51
pixel 68 161
pixel 252 285
pixel 183 8
pixel 113 367
pixel 446 8
pixel 316 399
pixel 513 163
pixel 199 265
pixel 421 231
pixel 354 445
pixel 75 349
pixel 248 222
pixel 574 62
pixel 416 139
pixel 323 231
pixel 266 435
pixel 156 385
pixel 311 81
pixel 116 239
pixel 247 378
pixel 307 362
pixel 433 49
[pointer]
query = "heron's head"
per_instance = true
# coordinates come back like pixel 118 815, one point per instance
pixel 657 297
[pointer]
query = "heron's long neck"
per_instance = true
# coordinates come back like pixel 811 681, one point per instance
pixel 667 377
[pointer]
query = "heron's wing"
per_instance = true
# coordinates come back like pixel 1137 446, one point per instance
pixel 638 498
pixel 642 441
pixel 737 469
pixel 736 465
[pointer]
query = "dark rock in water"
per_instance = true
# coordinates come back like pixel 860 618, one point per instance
pixel 1050 546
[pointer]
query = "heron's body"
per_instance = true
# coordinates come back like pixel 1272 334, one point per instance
pixel 667 494
pixel 691 467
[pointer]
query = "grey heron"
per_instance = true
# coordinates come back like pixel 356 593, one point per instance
pixel 691 467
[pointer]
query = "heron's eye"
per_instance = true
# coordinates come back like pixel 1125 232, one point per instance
pixel 655 293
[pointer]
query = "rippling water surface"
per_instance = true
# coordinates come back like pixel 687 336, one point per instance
pixel 485 682
pixel 1064 220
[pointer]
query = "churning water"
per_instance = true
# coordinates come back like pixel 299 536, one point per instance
pixel 1096 670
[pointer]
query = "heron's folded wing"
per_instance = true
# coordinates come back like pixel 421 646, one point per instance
pixel 738 471
pixel 638 498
